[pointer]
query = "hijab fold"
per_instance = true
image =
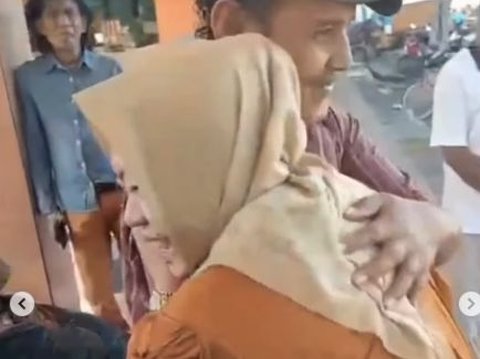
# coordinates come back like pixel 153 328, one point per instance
pixel 211 131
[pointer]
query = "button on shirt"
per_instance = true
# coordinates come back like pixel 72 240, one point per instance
pixel 64 158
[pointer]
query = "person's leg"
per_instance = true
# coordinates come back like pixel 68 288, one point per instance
pixel 111 205
pixel 92 252
pixel 42 340
pixel 464 274
pixel 85 306
pixel 88 338
pixel 72 342
pixel 26 341
pixel 114 341
pixel 111 208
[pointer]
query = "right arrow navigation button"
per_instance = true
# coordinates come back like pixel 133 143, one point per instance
pixel 469 304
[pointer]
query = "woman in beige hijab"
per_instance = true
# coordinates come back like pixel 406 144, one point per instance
pixel 221 163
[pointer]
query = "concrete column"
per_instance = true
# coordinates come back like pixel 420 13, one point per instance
pixel 444 25
pixel 19 243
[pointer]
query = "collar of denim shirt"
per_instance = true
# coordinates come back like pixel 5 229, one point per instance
pixel 51 63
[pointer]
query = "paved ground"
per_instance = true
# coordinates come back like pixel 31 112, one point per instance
pixel 404 141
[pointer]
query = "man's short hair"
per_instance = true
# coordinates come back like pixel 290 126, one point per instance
pixel 33 13
pixel 204 9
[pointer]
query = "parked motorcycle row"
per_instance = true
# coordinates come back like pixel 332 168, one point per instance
pixel 419 53
pixel 417 60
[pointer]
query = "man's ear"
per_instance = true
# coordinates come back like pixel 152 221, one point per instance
pixel 229 18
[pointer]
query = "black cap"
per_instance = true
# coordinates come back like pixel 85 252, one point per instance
pixel 383 7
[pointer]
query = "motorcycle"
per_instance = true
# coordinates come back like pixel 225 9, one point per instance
pixel 416 52
pixel 419 55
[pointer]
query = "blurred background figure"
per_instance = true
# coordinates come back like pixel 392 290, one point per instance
pixel 456 131
pixel 73 181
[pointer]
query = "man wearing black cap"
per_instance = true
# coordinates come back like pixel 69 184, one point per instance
pixel 412 234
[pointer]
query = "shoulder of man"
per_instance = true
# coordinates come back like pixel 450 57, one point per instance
pixel 337 114
pixel 455 70
pixel 457 64
pixel 30 68
pixel 475 53
pixel 106 62
pixel 338 122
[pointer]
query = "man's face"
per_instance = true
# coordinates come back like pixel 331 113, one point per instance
pixel 62 24
pixel 314 33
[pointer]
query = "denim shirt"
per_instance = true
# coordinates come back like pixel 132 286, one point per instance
pixel 64 158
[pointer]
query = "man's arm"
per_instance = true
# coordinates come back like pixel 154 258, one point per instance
pixel 362 161
pixel 38 155
pixel 465 163
pixel 450 127
pixel 400 229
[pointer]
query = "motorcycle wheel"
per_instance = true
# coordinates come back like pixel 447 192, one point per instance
pixel 417 101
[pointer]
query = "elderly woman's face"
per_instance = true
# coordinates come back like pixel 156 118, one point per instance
pixel 62 24
pixel 138 217
pixel 136 214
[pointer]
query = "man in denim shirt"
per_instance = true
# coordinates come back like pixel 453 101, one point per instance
pixel 70 172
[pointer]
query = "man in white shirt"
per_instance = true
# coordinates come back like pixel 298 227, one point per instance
pixel 456 130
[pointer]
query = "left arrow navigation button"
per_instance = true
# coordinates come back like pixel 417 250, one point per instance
pixel 22 304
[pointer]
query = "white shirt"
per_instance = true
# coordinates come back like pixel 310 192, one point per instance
pixel 456 122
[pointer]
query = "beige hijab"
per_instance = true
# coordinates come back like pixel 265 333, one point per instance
pixel 212 133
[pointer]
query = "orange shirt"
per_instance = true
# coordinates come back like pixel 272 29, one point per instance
pixel 222 314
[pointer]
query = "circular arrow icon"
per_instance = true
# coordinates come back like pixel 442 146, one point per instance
pixel 22 304
pixel 469 304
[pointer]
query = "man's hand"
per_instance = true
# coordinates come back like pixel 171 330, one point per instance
pixel 411 236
